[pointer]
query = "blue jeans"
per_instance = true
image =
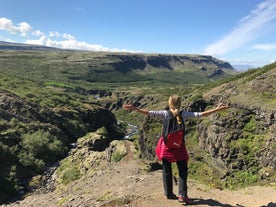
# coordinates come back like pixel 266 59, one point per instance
pixel 167 177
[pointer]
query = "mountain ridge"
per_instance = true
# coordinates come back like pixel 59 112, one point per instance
pixel 23 46
pixel 72 67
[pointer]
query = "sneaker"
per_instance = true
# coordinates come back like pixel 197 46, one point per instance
pixel 171 196
pixel 184 199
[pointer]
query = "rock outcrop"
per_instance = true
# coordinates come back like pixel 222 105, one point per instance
pixel 228 138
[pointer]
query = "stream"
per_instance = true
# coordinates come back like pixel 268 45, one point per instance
pixel 131 130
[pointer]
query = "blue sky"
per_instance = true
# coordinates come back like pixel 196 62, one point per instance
pixel 237 31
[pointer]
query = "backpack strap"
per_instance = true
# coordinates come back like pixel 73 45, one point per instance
pixel 169 121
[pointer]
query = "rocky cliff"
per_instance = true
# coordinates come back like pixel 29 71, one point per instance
pixel 240 139
pixel 149 62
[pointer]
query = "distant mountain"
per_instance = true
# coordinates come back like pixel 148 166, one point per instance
pixel 21 46
pixel 243 67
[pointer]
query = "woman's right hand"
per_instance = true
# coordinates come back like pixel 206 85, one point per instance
pixel 133 108
pixel 129 107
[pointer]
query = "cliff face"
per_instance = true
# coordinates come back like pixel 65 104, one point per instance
pixel 240 139
pixel 151 62
pixel 74 122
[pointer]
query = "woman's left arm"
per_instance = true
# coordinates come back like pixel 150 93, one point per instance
pixel 220 107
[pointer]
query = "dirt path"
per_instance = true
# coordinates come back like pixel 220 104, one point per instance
pixel 129 155
pixel 126 184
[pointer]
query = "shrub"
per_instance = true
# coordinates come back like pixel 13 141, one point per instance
pixel 241 179
pixel 117 156
pixel 119 150
pixel 251 125
pixel 68 171
pixel 38 149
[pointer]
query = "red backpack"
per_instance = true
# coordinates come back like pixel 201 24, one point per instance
pixel 173 132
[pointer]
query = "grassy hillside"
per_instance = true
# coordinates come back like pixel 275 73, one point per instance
pixel 253 88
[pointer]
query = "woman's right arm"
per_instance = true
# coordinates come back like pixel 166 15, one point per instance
pixel 130 107
pixel 159 114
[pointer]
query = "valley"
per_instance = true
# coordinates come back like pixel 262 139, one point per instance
pixel 50 99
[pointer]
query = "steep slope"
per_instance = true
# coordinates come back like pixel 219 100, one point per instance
pixel 254 88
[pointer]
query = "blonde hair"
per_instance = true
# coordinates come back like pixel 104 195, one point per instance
pixel 175 104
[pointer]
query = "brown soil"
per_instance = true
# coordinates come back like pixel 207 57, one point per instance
pixel 126 184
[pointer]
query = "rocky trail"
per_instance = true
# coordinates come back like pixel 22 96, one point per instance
pixel 126 184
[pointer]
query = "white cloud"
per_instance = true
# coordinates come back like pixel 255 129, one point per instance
pixel 7 25
pixel 54 39
pixel 55 34
pixel 249 28
pixel 38 33
pixel 70 42
pixel 41 41
pixel 265 47
pixel 68 37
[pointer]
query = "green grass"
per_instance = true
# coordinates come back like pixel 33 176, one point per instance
pixel 68 172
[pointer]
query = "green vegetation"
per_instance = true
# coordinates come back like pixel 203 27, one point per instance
pixel 68 172
pixel 118 152
pixel 241 179
pixel 117 156
pixel 38 149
